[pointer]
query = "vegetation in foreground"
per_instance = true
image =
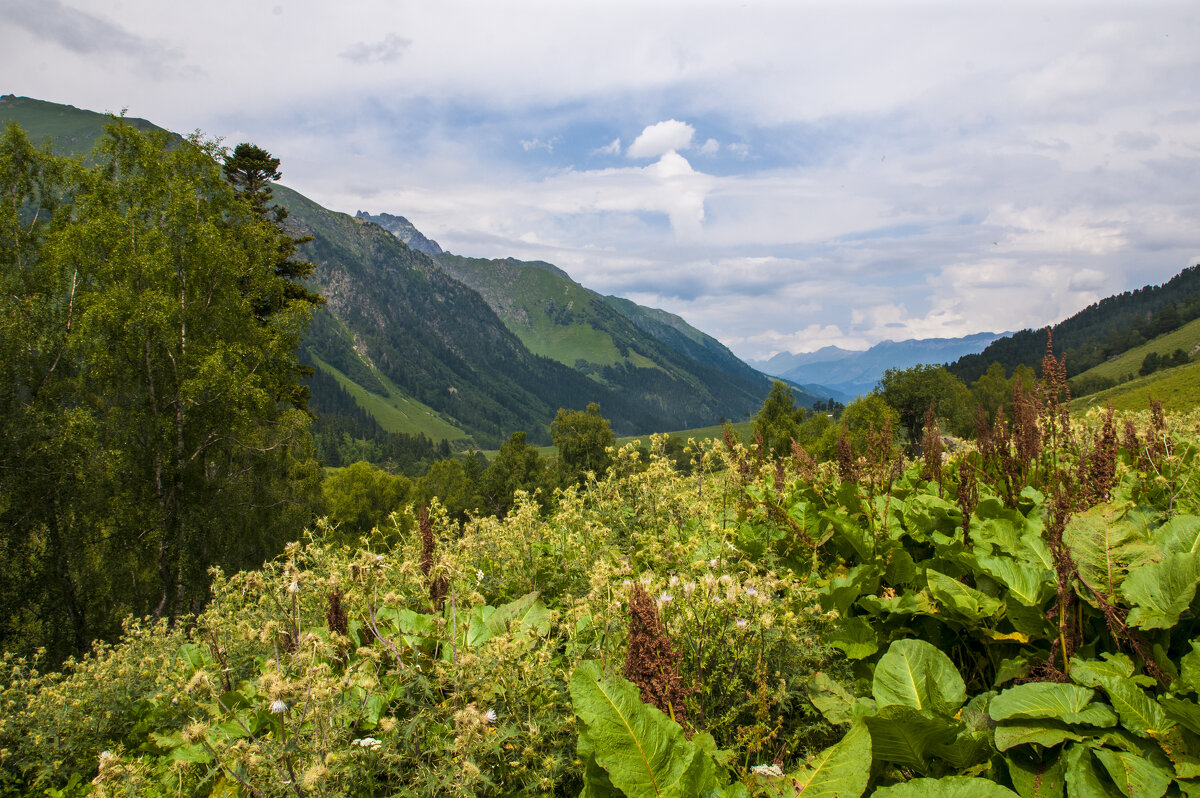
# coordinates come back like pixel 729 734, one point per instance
pixel 1016 618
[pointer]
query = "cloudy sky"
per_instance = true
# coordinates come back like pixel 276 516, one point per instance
pixel 783 175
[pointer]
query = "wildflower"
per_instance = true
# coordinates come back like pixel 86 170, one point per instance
pixel 278 706
pixel 626 583
pixel 751 592
pixel 665 597
pixel 689 588
pixel 726 580
pixel 712 563
pixel 478 577
pixel 293 588
pixel 367 742
pixel 767 770
pixel 673 581
pixel 489 717
pixel 741 623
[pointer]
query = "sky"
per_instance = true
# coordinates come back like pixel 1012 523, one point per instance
pixel 784 176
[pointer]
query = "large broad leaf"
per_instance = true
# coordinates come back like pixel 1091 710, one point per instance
pixel 1105 544
pixel 644 752
pixel 1189 672
pixel 916 674
pixel 1083 780
pixel 1044 732
pixel 855 637
pixel 1067 703
pixel 1138 712
pixel 910 737
pixel 840 771
pixel 526 614
pixel 1027 581
pixel 1180 534
pixel 1037 778
pixel 831 699
pixel 966 602
pixel 949 787
pixel 1161 591
pixel 1135 775
pixel 843 590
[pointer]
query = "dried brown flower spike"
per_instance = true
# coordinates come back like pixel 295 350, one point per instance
pixel 652 662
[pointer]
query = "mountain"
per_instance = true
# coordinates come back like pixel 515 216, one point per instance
pixel 856 372
pixel 421 351
pixel 404 230
pixel 1097 333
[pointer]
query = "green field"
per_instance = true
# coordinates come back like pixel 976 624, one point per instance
pixel 1177 388
pixel 1186 338
pixel 397 412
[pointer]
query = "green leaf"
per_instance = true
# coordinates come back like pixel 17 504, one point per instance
pixel 1105 544
pixel 1162 591
pixel 1033 778
pixel 1138 712
pixel 961 600
pixel 1044 732
pixel 1068 703
pixel 1083 781
pixel 909 737
pixel 840 771
pixel 830 698
pixel 916 674
pixel 855 637
pixel 842 591
pixel 643 751
pixel 1135 775
pixel 1027 582
pixel 948 787
pixel 1180 534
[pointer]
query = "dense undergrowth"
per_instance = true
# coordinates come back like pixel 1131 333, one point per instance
pixel 1014 617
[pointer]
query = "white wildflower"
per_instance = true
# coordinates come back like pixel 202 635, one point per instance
pixel 278 706
pixel 489 717
pixel 626 583
pixel 367 742
pixel 767 770
pixel 741 623
pixel 712 563
pixel 665 597
pixel 689 588
pixel 751 592
pixel 478 577
pixel 673 581
pixel 294 588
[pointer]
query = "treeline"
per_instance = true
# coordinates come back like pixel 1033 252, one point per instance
pixel 1096 333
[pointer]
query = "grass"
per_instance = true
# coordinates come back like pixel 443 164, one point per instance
pixel 396 412
pixel 744 430
pixel 1186 338
pixel 1177 388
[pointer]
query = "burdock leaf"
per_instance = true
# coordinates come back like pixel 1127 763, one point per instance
pixel 948 787
pixel 916 674
pixel 644 752
pixel 840 771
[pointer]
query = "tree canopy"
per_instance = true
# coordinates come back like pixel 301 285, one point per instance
pixel 148 427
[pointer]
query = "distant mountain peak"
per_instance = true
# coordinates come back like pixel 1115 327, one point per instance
pixel 404 230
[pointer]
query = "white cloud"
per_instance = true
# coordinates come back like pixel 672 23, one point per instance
pixel 661 138
pixel 710 147
pixel 612 148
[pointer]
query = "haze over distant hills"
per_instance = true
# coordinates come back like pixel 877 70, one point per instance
pixel 854 373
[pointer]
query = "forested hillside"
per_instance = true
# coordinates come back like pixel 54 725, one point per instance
pixel 1097 332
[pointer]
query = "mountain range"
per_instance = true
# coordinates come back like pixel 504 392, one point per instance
pixel 464 349
pixel 852 373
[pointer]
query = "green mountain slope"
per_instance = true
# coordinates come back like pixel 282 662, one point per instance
pixel 1176 388
pixel 1126 364
pixel 618 344
pixel 414 345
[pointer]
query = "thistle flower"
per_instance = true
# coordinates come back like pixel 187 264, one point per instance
pixel 751 592
pixel 741 623
pixel 689 588
pixel 665 597
pixel 489 717
pixel 367 742
pixel 294 587
pixel 278 706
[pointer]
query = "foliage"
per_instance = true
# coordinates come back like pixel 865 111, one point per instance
pixel 583 440
pixel 149 405
pixel 778 420
pixel 360 498
pixel 330 671
pixel 914 390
